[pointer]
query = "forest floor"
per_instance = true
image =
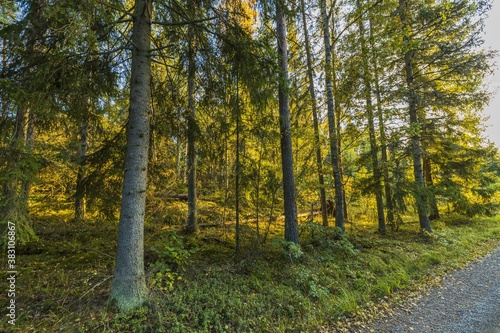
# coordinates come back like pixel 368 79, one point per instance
pixel 334 283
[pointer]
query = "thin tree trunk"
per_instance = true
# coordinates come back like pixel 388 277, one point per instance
pixel 192 223
pixel 291 223
pixel 80 207
pixel 371 125
pixel 338 117
pixel 339 191
pixel 419 194
pixel 317 142
pixel 185 168
pixel 178 158
pixel 129 289
pixel 226 169
pixel 30 145
pixel 271 213
pixel 434 211
pixel 238 166
pixel 383 140
pixel 257 194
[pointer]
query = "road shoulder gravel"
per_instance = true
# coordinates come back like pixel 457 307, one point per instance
pixel 468 301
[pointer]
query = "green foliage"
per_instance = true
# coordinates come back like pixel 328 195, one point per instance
pixel 24 233
pixel 173 256
pixel 328 239
pixel 289 249
pixel 172 251
pixel 310 283
pixel 136 321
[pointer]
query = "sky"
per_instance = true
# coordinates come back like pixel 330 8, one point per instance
pixel 492 39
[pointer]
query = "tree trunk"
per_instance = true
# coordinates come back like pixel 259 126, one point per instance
pixel 332 126
pixel 80 207
pixel 317 142
pixel 434 211
pixel 238 166
pixel 226 168
pixel 371 125
pixel 419 193
pixel 30 145
pixel 257 193
pixel 129 289
pixel 192 223
pixel 178 157
pixel 291 223
pixel 338 114
pixel 383 140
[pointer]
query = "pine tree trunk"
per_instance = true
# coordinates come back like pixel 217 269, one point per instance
pixel 371 125
pixel 178 158
pixel 419 194
pixel 383 140
pixel 332 126
pixel 129 289
pixel 291 223
pixel 192 223
pixel 226 169
pixel 257 193
pixel 238 167
pixel 434 211
pixel 80 207
pixel 338 114
pixel 317 142
pixel 384 160
pixel 30 145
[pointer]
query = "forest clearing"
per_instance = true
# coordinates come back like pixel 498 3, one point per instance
pixel 239 165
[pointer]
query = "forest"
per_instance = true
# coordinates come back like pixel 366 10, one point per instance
pixel 239 165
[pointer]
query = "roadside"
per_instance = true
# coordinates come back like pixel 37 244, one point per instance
pixel 467 302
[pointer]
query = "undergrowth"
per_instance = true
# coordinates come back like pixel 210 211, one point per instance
pixel 198 283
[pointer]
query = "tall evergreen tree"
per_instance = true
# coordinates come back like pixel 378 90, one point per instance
pixel 367 78
pixel 129 284
pixel 192 224
pixel 291 223
pixel 314 110
pixel 332 123
pixel 416 147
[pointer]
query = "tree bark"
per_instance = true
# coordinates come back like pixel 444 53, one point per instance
pixel 314 107
pixel 332 126
pixel 291 223
pixel 419 193
pixel 129 289
pixel 192 223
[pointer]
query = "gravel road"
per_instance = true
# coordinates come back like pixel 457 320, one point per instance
pixel 467 302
